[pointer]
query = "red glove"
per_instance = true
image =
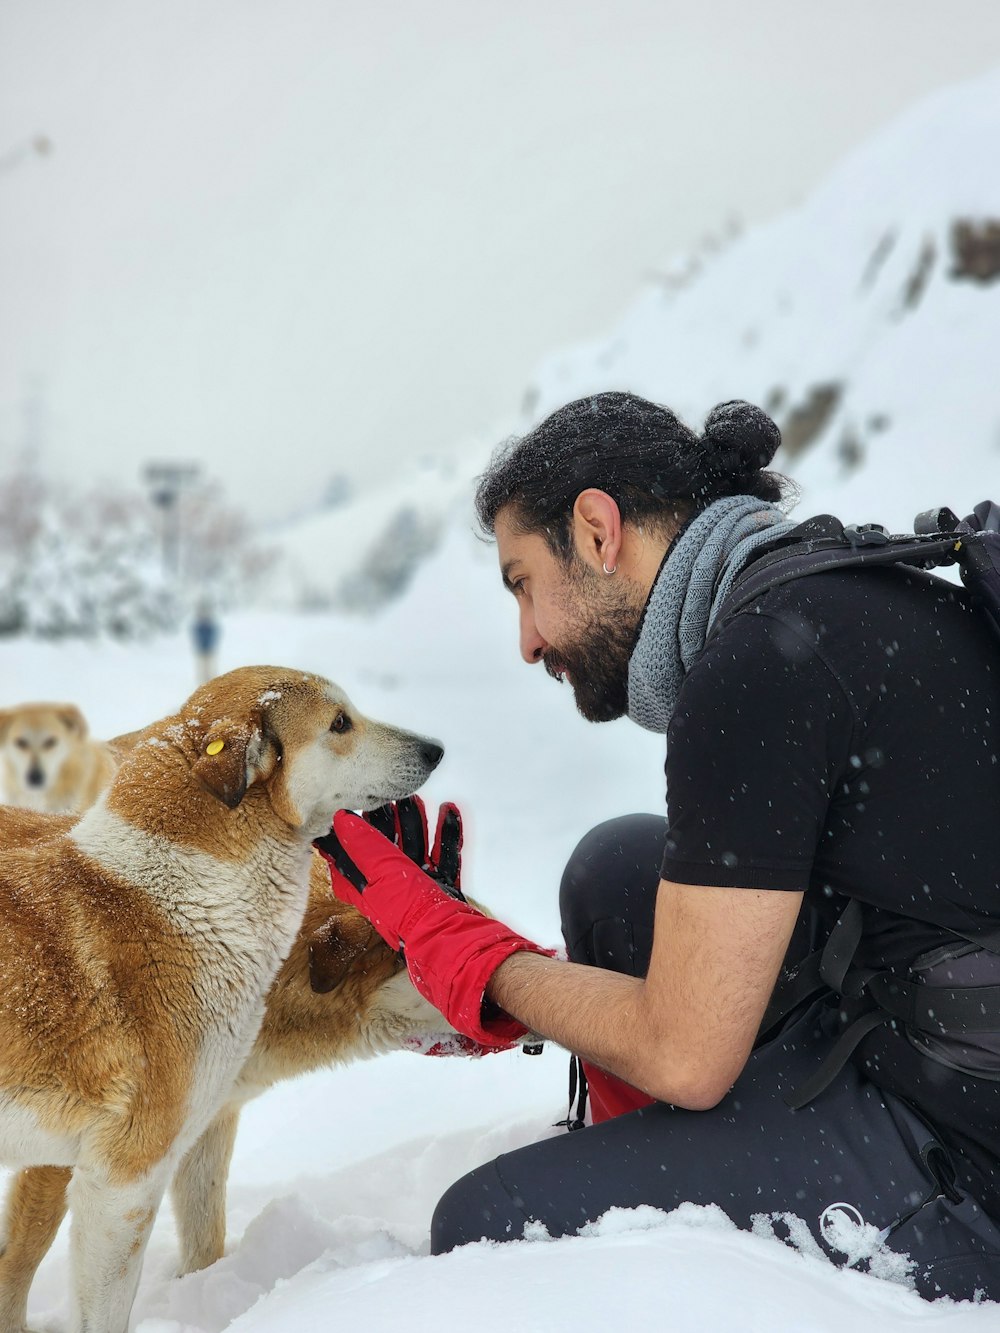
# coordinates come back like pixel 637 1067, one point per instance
pixel 451 949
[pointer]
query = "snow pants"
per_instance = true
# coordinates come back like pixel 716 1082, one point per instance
pixel 854 1152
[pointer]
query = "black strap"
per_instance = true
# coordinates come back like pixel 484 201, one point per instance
pixel 577 1079
pixel 836 964
pixel 835 1059
pixel 828 969
pixel 937 1010
pixel 796 986
pixel 933 1010
pixel 817 557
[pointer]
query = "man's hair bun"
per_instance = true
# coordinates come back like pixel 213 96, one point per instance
pixel 739 440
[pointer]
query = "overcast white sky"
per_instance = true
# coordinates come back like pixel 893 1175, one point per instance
pixel 292 237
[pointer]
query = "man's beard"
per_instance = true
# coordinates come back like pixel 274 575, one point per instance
pixel 596 654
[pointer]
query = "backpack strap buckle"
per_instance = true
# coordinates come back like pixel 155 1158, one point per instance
pixel 866 534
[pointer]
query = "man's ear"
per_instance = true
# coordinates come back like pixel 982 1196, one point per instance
pixel 597 529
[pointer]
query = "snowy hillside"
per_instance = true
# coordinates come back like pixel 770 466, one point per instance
pixel 867 322
pixel 362 553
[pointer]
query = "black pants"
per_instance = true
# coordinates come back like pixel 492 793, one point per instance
pixel 752 1155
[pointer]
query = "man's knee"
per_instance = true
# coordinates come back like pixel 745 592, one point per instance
pixel 608 893
pixel 476 1207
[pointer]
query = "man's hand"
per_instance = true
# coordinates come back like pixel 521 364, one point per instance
pixel 682 1033
pixel 451 950
pixel 404 823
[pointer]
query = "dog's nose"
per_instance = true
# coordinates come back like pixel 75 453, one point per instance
pixel 36 778
pixel 431 753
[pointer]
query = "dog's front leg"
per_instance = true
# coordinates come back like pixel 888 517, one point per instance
pixel 199 1194
pixel 111 1225
pixel 36 1204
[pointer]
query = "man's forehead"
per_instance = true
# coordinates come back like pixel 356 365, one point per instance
pixel 517 548
pixel 512 544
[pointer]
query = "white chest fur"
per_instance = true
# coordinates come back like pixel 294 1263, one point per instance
pixel 238 920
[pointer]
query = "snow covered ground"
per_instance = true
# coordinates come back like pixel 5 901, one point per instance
pixel 335 1176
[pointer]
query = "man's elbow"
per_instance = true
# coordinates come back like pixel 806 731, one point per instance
pixel 694 1089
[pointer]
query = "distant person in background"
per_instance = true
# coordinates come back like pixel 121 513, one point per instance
pixel 832 796
pixel 205 634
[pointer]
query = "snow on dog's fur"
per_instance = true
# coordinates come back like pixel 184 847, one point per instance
pixel 141 944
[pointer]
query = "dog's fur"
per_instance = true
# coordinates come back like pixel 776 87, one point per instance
pixel 50 761
pixel 341 995
pixel 142 943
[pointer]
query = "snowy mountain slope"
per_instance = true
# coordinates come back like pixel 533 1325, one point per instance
pixel 361 553
pixel 867 321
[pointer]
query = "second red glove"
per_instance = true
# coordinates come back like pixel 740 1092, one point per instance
pixel 451 949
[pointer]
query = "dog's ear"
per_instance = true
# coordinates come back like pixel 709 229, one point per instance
pixel 233 757
pixel 72 719
pixel 330 957
pixel 222 766
pixel 6 718
pixel 335 946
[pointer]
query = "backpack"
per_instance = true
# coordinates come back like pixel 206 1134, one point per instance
pixel 871 997
pixel 939 538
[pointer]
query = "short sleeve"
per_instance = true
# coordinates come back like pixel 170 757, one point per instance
pixel 760 733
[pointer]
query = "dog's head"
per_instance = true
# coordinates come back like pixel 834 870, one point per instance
pixel 299 742
pixel 36 740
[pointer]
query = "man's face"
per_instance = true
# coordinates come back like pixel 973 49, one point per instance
pixel 581 622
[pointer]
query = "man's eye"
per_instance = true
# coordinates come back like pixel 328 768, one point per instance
pixel 517 587
pixel 341 723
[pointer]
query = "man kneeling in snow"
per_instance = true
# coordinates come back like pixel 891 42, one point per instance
pixel 832 786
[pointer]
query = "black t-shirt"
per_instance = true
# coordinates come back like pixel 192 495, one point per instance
pixel 842 737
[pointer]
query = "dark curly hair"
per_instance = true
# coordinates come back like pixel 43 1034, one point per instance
pixel 655 467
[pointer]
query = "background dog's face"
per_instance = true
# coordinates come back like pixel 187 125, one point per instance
pixel 301 739
pixel 36 740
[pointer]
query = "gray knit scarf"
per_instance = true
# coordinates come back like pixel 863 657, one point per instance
pixel 692 584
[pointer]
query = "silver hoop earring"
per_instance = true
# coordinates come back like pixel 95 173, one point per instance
pixel 613 570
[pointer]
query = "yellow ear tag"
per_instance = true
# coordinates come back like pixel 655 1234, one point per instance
pixel 214 747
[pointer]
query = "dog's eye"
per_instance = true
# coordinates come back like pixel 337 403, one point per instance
pixel 341 723
pixel 21 743
pixel 48 742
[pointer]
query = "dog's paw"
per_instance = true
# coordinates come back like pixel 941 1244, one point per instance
pixel 448 1044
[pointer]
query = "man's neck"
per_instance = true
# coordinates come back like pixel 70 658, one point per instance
pixel 642 555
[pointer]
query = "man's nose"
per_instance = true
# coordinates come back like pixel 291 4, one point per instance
pixel 532 643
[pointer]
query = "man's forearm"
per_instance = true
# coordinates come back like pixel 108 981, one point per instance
pixel 600 1015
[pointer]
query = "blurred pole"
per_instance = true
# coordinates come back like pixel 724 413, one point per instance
pixel 167 482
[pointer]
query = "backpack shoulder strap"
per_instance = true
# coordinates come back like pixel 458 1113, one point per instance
pixel 824 544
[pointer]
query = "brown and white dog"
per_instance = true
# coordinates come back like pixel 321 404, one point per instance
pixel 50 761
pixel 141 944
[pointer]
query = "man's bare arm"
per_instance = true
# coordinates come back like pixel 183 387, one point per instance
pixel 683 1033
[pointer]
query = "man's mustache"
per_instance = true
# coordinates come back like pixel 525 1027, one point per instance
pixel 554 666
